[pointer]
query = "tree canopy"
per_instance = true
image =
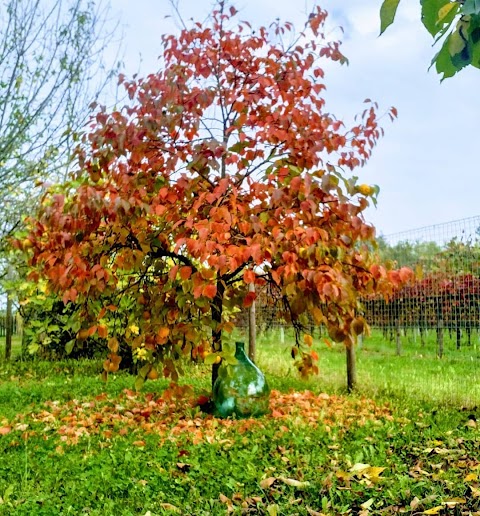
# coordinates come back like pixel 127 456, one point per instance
pixel 455 26
pixel 223 170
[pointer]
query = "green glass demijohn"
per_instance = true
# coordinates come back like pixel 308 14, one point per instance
pixel 241 389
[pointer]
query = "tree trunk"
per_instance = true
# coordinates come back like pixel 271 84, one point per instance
pixel 217 309
pixel 351 368
pixel 9 328
pixel 252 328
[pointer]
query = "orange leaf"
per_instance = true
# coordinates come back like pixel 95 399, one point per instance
pixel 173 272
pixel 112 363
pixel 162 334
pixel 209 291
pixel 4 430
pixel 185 272
pixel 91 331
pixel 308 340
pixel 113 344
pixel 102 331
pixel 249 276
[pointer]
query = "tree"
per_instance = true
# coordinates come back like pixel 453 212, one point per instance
pixel 223 171
pixel 50 71
pixel 410 254
pixel 454 23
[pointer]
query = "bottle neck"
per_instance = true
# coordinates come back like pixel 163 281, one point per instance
pixel 239 349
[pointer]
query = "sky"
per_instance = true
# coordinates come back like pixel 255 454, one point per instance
pixel 425 164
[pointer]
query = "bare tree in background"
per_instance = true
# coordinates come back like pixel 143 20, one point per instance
pixel 51 69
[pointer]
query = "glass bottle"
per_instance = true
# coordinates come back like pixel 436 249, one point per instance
pixel 241 389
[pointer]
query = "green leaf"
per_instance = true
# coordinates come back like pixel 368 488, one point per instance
pixel 476 55
pixel 69 346
pixel 139 383
pixel 210 359
pixel 229 358
pixel 33 348
pixel 471 7
pixel 387 13
pixel 240 146
pixel 456 43
pixel 430 14
pixel 447 13
pixel 475 29
pixel 443 62
pixel 460 44
pixel 144 370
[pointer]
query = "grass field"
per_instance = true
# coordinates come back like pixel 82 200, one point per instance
pixel 407 442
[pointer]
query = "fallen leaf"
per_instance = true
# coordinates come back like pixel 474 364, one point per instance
pixel 225 499
pixel 471 477
pixel 272 510
pixel 343 476
pixel 454 501
pixel 414 503
pixel 267 482
pixel 474 492
pixel 357 468
pixel 373 473
pixel 294 483
pixel 4 430
pixel 170 507
pixel 367 504
pixel 311 512
pixel 138 443
pixel 434 510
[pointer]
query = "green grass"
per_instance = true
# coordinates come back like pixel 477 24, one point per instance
pixel 414 415
pixel 16 347
pixel 417 373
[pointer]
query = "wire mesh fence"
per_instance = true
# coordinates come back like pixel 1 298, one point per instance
pixel 445 296
pixel 431 328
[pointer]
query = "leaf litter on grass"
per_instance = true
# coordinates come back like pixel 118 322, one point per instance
pixel 175 416
pixel 177 412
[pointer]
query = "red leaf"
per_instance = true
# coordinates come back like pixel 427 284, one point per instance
pixel 249 299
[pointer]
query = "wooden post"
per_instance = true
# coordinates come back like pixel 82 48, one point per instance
pixel 252 327
pixel 8 328
pixel 440 338
pixel 351 367
pixel 422 336
pixel 397 338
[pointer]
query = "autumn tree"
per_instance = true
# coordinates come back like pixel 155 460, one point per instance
pixel 454 24
pixel 224 170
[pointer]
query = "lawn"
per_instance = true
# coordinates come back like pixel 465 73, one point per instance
pixel 406 442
